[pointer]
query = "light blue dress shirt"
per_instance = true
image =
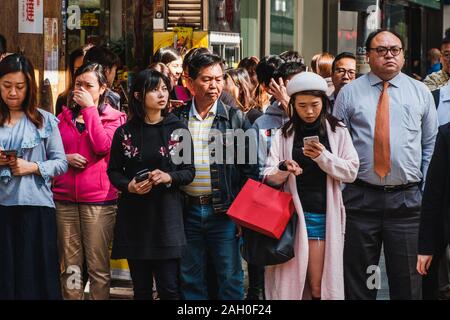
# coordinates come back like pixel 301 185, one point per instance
pixel 413 126
pixel 43 146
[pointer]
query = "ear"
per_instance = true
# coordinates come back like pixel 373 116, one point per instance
pixel 137 95
pixel 103 89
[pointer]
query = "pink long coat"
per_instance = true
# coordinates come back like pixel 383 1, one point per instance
pixel 288 281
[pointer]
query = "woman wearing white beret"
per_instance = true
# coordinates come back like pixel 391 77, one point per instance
pixel 312 155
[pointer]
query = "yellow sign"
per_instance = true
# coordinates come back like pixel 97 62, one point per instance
pixel 89 20
pixel 182 39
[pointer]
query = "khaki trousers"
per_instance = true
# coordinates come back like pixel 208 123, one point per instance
pixel 85 231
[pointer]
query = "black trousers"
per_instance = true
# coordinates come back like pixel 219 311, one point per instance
pixel 166 274
pixel 374 219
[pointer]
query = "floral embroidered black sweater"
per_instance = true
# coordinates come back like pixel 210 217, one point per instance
pixel 150 226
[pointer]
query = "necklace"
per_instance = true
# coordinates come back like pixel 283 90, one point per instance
pixel 154 122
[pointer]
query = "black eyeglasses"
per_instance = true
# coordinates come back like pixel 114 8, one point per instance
pixel 382 51
pixel 351 72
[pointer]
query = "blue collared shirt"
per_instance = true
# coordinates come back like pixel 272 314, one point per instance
pixel 413 126
pixel 43 146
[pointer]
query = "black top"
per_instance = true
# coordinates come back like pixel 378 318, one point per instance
pixel 80 126
pixel 434 231
pixel 312 183
pixel 149 226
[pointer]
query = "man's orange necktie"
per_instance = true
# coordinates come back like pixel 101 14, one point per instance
pixel 381 145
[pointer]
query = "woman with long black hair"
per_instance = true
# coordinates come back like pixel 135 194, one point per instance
pixel 149 230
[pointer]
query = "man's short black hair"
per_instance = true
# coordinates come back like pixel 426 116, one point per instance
pixel 102 55
pixel 3 48
pixel 267 67
pixel 445 41
pixel 203 61
pixel 288 69
pixel 341 56
pixel 292 56
pixel 378 31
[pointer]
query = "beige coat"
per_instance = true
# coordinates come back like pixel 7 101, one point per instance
pixel 287 281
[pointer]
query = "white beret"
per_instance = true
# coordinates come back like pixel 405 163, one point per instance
pixel 306 81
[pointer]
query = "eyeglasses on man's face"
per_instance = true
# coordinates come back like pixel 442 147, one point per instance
pixel 446 55
pixel 342 71
pixel 382 51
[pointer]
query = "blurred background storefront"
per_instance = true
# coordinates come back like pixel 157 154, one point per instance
pixel 135 29
pixel 419 22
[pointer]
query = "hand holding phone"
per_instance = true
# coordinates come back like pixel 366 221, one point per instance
pixel 9 154
pixel 142 175
pixel 308 140
pixel 312 147
pixel 141 183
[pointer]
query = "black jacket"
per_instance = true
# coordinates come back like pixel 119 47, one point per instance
pixel 435 218
pixel 228 178
pixel 149 226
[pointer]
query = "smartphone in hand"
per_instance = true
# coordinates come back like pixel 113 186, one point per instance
pixel 142 175
pixel 308 140
pixel 9 153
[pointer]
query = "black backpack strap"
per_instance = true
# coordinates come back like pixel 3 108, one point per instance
pixel 436 96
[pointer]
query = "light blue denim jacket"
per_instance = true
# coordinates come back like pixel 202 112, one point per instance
pixel 43 146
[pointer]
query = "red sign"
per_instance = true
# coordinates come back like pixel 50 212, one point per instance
pixel 30 10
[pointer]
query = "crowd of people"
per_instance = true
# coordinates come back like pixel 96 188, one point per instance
pixel 91 177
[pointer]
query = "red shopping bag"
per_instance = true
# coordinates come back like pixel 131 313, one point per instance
pixel 261 208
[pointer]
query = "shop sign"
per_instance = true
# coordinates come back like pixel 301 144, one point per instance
pixel 158 19
pixel 31 16
pixel 73 17
pixel 181 38
pixel 89 20
pixel 51 50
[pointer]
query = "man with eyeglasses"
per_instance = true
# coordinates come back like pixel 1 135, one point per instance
pixel 343 72
pixel 440 78
pixel 393 123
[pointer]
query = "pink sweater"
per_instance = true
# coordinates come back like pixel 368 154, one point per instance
pixel 89 185
pixel 287 281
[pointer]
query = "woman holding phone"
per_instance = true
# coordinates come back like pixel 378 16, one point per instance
pixel 149 231
pixel 31 154
pixel 312 154
pixel 86 202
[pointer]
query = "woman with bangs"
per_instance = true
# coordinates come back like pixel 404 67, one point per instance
pixel 31 154
pixel 149 231
pixel 86 202
pixel 311 157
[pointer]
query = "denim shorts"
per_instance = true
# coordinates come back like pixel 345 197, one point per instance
pixel 315 225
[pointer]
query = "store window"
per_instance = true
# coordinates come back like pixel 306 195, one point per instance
pixel 87 22
pixel 224 15
pixel 396 19
pixel 282 18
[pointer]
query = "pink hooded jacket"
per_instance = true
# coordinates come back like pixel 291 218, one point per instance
pixel 89 185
